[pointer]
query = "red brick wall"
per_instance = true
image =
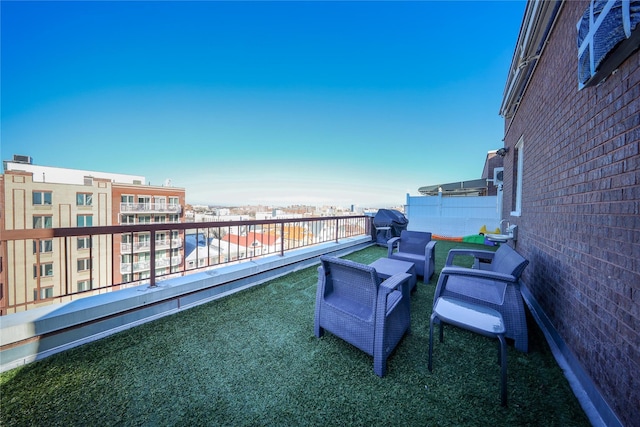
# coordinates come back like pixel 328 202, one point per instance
pixel 580 220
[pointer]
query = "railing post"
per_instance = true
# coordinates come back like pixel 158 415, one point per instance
pixel 152 260
pixel 282 238
pixel 337 229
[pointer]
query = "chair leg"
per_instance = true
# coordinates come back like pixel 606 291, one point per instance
pixel 431 341
pixel 319 331
pixel 379 365
pixel 503 369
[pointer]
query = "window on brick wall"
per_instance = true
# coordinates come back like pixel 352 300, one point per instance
pixel 518 163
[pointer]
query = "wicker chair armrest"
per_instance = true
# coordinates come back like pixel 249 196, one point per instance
pixel 480 274
pixel 429 248
pixel 395 282
pixel 391 245
pixel 474 253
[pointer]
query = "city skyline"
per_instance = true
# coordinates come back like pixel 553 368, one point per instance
pixel 272 103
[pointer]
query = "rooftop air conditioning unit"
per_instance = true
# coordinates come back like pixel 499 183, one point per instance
pixel 17 158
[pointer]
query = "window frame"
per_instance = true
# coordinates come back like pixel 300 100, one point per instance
pixel 85 285
pixel 84 220
pixel 84 199
pixel 47 221
pixel 41 294
pixel 43 198
pixel 87 243
pixel 518 178
pixel 43 270
pixel 127 219
pixel 41 246
pixel 83 264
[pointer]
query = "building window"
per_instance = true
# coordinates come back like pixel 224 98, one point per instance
pixel 84 199
pixel 144 219
pixel 518 163
pixel 45 293
pixel 84 220
pixel 126 202
pixel 42 221
pixel 174 218
pixel 84 242
pixel 159 218
pixel 42 197
pixel 45 270
pixel 84 285
pixel 45 246
pixel 144 203
pixel 159 202
pixel 174 201
pixel 127 219
pixel 84 264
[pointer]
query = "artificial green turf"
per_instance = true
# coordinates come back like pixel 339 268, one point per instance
pixel 251 359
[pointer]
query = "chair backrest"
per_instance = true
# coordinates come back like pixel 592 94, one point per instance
pixel 507 260
pixel 414 242
pixel 351 280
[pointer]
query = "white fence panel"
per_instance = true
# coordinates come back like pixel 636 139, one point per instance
pixel 452 216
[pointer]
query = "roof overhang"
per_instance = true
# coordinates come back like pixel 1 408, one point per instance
pixel 461 188
pixel 539 19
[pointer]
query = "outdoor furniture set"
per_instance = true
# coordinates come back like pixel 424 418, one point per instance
pixel 368 306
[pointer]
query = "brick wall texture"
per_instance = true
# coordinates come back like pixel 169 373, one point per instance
pixel 580 219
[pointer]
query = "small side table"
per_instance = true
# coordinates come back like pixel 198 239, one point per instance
pixel 388 267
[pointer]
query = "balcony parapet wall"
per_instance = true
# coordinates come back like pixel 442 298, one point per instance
pixel 41 332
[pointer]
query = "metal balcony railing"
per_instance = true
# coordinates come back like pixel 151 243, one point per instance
pixel 143 266
pixel 145 246
pixel 116 264
pixel 149 208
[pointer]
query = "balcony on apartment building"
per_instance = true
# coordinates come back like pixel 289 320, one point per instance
pixel 142 208
pixel 235 346
pixel 142 266
pixel 145 245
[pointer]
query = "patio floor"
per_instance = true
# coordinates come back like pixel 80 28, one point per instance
pixel 252 359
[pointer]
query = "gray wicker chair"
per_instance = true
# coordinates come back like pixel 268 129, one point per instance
pixel 494 282
pixel 353 304
pixel 416 247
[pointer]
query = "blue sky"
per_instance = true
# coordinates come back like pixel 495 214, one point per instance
pixel 274 103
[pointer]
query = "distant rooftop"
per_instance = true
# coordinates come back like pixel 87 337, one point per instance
pixel 64 175
pixel 461 188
